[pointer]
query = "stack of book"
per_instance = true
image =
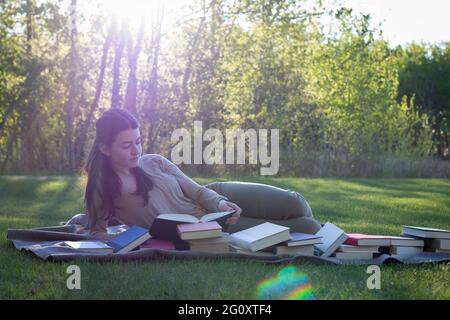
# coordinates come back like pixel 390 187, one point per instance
pixel 205 236
pixel 405 245
pixel 259 237
pixel 165 226
pixel 364 246
pixel 435 240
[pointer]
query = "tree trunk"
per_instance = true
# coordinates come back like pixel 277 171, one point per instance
pixel 81 137
pixel 70 155
pixel 116 99
pixel 151 101
pixel 133 54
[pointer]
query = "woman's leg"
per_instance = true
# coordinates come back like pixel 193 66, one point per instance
pixel 261 203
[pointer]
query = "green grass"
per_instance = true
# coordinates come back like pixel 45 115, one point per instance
pixel 356 205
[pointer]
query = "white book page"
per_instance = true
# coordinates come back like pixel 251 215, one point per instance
pixel 178 217
pixel 87 245
pixel 215 215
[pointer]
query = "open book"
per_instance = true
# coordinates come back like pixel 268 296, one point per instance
pixel 164 226
pixel 88 246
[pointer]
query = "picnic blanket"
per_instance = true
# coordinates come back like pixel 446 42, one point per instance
pixel 43 243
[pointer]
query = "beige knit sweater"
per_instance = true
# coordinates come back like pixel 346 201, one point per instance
pixel 172 192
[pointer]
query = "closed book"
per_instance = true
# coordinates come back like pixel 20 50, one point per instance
pixel 89 246
pixel 332 238
pixel 405 250
pixel 424 232
pixel 302 239
pixel 359 239
pixel 354 255
pixel 223 238
pixel 199 230
pixel 164 226
pixel 236 248
pixel 350 248
pixel 307 250
pixel 442 251
pixel 406 242
pixel 129 240
pixel 261 236
pixel 437 244
pixel 211 247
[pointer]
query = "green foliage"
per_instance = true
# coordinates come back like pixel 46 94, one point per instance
pixel 333 86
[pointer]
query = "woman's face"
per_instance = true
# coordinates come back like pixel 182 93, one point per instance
pixel 125 149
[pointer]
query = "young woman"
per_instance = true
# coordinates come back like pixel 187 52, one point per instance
pixel 126 187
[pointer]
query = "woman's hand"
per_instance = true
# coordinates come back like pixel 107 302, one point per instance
pixel 227 206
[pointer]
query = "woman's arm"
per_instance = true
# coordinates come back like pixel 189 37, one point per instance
pixel 97 220
pixel 207 198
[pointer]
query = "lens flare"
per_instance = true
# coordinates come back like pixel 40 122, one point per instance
pixel 288 284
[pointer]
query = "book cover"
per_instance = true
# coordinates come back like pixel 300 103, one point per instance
pixel 360 239
pixel 261 236
pixel 332 238
pixel 129 240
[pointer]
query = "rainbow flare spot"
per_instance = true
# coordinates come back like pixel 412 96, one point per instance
pixel 288 284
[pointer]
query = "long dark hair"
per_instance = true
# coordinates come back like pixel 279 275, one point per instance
pixel 101 177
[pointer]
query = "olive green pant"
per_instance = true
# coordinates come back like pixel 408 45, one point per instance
pixel 265 203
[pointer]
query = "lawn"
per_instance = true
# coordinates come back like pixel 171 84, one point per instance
pixel 356 205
